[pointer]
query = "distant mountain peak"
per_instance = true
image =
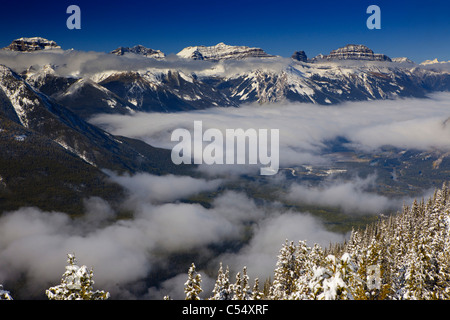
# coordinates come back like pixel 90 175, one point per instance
pixel 434 61
pixel 300 56
pixel 32 44
pixel 402 60
pixel 354 52
pixel 140 50
pixel 222 51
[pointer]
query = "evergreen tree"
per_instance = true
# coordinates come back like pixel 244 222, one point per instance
pixel 286 273
pixel 256 293
pixel 330 282
pixel 241 289
pixel 246 292
pixel 222 290
pixel 76 284
pixel 5 295
pixel 371 269
pixel 192 287
pixel 353 246
pixel 307 259
pixel 267 288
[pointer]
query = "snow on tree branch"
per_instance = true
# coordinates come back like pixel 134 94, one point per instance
pixel 76 284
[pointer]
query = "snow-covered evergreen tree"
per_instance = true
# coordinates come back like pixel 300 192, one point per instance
pixel 192 287
pixel 330 282
pixel 76 284
pixel 256 293
pixel 307 259
pixel 222 290
pixel 241 289
pixel 371 269
pixel 286 273
pixel 5 295
pixel 237 288
pixel 246 291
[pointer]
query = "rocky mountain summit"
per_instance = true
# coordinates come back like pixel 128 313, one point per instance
pixel 354 52
pixel 222 51
pixel 300 56
pixel 140 50
pixel 32 44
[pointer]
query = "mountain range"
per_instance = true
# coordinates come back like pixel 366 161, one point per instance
pixel 47 140
pixel 232 75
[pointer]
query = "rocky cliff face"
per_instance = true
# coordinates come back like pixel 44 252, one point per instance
pixel 300 56
pixel 141 50
pixel 32 44
pixel 221 51
pixel 354 52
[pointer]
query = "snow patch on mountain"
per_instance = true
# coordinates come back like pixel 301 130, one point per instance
pixel 16 92
pixel 81 155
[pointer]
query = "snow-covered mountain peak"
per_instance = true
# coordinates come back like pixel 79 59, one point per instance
pixel 221 51
pixel 32 44
pixel 402 60
pixel 434 61
pixel 354 52
pixel 140 50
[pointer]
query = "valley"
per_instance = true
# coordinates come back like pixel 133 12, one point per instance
pixel 86 162
pixel 57 107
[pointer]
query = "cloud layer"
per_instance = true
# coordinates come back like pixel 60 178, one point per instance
pixel 352 197
pixel 125 252
pixel 305 128
pixel 89 63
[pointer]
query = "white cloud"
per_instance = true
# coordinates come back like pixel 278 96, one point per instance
pixel 124 252
pixel 304 128
pixel 88 63
pixel 160 189
pixel 352 197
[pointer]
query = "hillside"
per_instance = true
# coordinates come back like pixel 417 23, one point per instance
pixel 401 257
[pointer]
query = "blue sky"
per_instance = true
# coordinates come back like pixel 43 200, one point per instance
pixel 419 30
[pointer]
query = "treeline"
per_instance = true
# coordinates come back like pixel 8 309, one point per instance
pixel 401 257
